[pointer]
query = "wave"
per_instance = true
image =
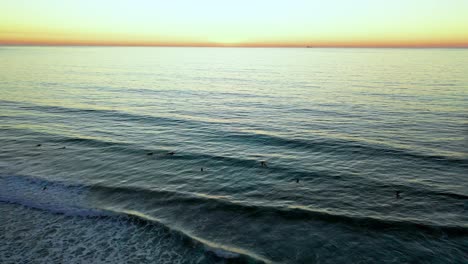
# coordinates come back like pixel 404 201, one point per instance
pixel 69 199
pixel 298 212
pixel 319 144
pixel 220 251
pixel 54 197
pixel 280 172
pixel 108 113
pixel 244 162
pixel 424 191
pixel 342 146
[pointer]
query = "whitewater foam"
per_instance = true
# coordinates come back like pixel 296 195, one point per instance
pixel 46 195
pixel 70 206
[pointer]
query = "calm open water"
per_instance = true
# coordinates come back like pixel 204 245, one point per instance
pixel 340 130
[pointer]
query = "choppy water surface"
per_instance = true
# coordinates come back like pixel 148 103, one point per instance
pixel 340 130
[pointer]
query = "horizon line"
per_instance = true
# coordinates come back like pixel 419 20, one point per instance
pixel 233 46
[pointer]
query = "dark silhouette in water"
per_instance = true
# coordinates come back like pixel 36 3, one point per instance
pixel 263 164
pixel 397 194
pixel 63 147
pixel 44 188
pixel 38 145
pixel 297 180
pixel 171 153
pixel 201 169
pixel 150 153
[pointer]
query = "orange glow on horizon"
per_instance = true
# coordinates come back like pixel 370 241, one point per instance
pixel 324 44
pixel 210 23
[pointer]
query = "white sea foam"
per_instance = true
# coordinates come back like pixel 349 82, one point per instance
pixel 41 194
pixel 35 236
pixel 67 236
pixel 222 253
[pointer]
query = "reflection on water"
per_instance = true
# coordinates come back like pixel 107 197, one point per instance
pixel 342 130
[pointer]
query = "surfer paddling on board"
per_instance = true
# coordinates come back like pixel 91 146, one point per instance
pixel 397 194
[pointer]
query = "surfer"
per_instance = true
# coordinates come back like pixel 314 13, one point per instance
pixel 397 194
pixel 44 188
pixel 297 180
pixel 150 153
pixel 38 145
pixel 201 169
pixel 263 164
pixel 171 153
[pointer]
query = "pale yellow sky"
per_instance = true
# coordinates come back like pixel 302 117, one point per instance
pixel 235 23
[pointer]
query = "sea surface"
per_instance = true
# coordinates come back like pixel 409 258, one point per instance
pixel 153 155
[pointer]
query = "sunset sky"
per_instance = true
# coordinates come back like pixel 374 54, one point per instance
pixel 381 23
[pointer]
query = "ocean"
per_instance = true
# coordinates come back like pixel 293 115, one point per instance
pixel 233 155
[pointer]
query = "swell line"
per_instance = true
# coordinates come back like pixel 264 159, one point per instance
pixel 109 114
pixel 297 212
pixel 221 251
pixel 318 144
pixel 280 172
pixel 341 146
pixel 77 191
pixel 164 198
pixel 230 252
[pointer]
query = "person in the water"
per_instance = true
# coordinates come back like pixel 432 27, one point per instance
pixel 38 145
pixel 201 169
pixel 263 164
pixel 150 153
pixel 171 153
pixel 397 194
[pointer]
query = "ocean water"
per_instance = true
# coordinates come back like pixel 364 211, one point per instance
pixel 87 175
